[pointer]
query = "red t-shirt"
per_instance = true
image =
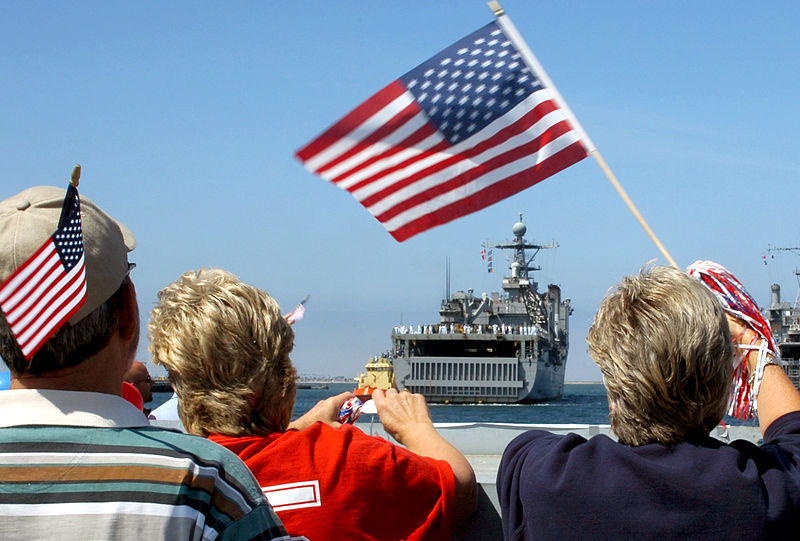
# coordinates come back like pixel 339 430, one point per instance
pixel 328 483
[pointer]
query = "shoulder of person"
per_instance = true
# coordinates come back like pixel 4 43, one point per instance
pixel 205 452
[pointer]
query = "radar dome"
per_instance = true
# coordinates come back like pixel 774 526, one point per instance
pixel 519 229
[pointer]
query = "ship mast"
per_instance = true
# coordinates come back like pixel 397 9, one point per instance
pixel 518 245
pixel 795 251
pixel 520 281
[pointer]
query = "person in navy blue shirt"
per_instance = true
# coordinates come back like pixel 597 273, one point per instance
pixel 665 348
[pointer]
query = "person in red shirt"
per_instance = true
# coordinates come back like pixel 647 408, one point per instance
pixel 226 348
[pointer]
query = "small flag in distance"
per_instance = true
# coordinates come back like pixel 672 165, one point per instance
pixel 298 312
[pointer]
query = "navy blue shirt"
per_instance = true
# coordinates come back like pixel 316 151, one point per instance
pixel 566 487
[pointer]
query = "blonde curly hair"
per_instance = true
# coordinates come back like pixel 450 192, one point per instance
pixel 663 344
pixel 226 348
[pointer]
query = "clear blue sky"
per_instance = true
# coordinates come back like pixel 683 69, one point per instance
pixel 185 117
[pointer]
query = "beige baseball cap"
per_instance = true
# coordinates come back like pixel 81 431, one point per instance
pixel 30 217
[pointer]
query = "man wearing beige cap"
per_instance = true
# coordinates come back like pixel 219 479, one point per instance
pixel 77 461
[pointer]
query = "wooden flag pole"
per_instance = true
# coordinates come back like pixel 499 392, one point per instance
pixel 631 206
pixel 533 64
pixel 76 175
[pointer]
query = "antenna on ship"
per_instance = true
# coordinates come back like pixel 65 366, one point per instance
pixel 518 247
pixel 447 279
pixel 796 251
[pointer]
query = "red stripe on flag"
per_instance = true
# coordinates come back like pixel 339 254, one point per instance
pixel 352 120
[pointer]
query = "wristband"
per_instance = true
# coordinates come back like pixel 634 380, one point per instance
pixel 765 357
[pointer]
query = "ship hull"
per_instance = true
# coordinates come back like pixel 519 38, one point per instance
pixel 522 368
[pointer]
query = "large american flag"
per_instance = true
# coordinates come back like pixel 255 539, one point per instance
pixel 51 285
pixel 469 127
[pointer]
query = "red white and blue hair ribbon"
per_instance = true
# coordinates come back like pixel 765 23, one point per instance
pixel 737 302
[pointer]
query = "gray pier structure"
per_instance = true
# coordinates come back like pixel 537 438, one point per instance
pixel 504 347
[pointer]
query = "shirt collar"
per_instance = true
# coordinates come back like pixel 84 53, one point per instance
pixel 67 408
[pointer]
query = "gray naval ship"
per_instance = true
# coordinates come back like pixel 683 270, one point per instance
pixel 497 348
pixel 784 319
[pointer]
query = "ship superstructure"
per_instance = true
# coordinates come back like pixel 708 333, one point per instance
pixel 784 319
pixel 493 348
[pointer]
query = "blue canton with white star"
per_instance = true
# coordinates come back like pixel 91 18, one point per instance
pixel 68 238
pixel 468 85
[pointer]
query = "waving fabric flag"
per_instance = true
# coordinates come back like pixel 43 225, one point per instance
pixel 298 312
pixel 470 126
pixel 51 285
pixel 737 302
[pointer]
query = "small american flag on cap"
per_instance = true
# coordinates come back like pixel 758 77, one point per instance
pixel 51 285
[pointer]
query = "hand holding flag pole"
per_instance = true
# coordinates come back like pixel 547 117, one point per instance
pixel 533 64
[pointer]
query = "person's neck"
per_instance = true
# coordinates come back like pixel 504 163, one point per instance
pixel 100 373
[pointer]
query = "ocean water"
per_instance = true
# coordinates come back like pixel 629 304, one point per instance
pixel 582 403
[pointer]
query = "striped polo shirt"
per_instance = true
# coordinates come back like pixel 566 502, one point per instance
pixel 82 466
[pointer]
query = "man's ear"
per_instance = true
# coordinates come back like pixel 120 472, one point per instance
pixel 129 319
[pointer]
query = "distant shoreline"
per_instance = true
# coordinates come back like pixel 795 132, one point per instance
pixel 318 380
pixel 329 381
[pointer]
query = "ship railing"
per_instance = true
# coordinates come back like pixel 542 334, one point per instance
pixel 453 328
